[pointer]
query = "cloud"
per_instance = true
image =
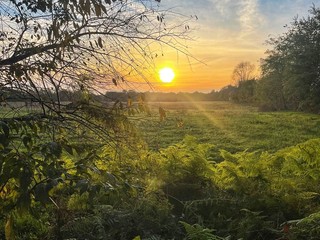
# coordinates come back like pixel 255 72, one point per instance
pixel 231 31
pixel 242 16
pixel 234 18
pixel 249 16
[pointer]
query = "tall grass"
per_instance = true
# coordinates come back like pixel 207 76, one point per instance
pixel 228 126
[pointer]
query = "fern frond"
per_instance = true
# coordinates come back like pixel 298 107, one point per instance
pixel 197 232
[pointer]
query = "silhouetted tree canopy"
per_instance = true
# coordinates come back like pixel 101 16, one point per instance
pixel 244 71
pixel 290 72
pixel 82 45
pixel 59 55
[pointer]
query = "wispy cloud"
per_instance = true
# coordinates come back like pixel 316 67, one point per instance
pixel 242 16
pixel 249 16
pixel 236 18
pixel 231 31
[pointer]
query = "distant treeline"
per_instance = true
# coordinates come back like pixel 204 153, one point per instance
pixel 7 94
pixel 72 96
pixel 166 97
pixel 257 92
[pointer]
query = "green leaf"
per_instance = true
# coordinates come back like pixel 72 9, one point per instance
pixel 82 185
pixel 25 178
pixel 24 202
pixel 55 149
pixel 26 139
pixel 68 149
pixel 4 141
pixel 5 128
pixel 41 193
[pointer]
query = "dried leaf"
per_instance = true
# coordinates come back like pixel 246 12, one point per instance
pixel 162 114
pixel 100 42
pixel 9 231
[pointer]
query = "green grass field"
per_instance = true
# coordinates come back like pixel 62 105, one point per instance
pixel 228 126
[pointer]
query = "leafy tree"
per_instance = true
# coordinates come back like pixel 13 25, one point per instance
pixel 270 95
pixel 244 71
pixel 227 93
pixel 84 45
pixel 246 92
pixel 50 48
pixel 291 69
pixel 243 76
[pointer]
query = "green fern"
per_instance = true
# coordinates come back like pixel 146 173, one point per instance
pixel 197 232
pixel 153 237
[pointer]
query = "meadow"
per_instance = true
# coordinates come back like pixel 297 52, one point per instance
pixel 244 174
pixel 228 126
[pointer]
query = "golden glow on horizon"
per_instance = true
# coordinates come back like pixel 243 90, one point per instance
pixel 166 75
pixel 220 42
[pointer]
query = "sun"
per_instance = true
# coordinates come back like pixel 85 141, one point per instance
pixel 166 75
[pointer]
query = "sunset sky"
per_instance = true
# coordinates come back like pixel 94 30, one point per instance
pixel 226 33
